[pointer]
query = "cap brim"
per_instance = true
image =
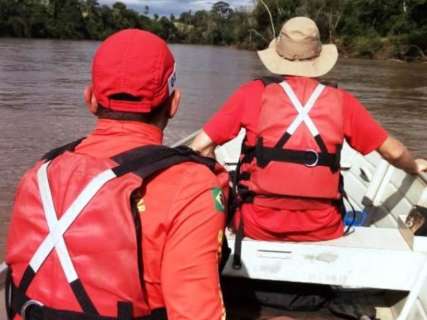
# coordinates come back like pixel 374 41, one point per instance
pixel 313 68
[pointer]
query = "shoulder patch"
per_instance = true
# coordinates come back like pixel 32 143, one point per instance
pixel 218 198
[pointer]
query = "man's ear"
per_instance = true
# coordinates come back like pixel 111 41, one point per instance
pixel 176 100
pixel 90 99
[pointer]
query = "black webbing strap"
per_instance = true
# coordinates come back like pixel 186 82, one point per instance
pixel 82 297
pixel 236 196
pixel 279 148
pixel 27 278
pixel 8 294
pixel 149 160
pixel 125 310
pixel 76 286
pixel 265 155
pixel 342 208
pixel 13 295
pixel 248 153
pixel 134 199
pixel 282 141
pixel 270 80
pixel 353 219
pixel 239 197
pixel 321 143
pixel 20 303
pixel 238 240
pixel 58 151
pixel 17 302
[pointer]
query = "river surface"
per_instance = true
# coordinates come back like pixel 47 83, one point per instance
pixel 41 105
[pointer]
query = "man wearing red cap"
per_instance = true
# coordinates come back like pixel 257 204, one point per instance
pixel 116 226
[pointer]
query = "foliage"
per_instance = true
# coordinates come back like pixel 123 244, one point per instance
pixel 368 28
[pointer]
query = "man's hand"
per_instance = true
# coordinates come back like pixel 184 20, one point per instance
pixel 203 145
pixel 398 155
pixel 421 165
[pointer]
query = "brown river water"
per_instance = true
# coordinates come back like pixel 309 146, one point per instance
pixel 41 106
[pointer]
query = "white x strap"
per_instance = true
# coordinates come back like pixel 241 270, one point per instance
pixel 303 111
pixel 57 228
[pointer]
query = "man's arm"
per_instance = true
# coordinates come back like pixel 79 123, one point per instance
pixel 234 114
pixel 398 155
pixel 190 276
pixel 366 135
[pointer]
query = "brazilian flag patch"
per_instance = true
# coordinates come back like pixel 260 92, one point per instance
pixel 218 198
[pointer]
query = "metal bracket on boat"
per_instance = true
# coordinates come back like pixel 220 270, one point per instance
pixel 365 174
pixel 27 305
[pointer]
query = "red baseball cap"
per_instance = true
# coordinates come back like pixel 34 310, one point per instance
pixel 133 71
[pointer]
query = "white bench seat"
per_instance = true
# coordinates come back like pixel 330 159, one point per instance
pixel 368 258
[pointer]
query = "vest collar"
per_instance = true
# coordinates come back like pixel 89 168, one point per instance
pixel 148 134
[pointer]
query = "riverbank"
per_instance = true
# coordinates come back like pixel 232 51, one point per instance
pixel 381 49
pixel 362 29
pixel 377 48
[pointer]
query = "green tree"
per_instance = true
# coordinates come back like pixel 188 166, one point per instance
pixel 222 9
pixel 92 17
pixel 397 28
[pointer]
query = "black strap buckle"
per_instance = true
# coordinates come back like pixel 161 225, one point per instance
pixel 27 306
pixel 311 158
pixel 261 160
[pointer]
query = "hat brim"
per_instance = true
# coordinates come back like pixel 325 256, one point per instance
pixel 312 68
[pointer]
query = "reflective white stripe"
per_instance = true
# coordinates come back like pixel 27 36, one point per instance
pixel 57 228
pixel 52 222
pixel 303 111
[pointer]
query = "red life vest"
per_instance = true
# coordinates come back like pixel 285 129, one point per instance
pixel 74 246
pixel 298 143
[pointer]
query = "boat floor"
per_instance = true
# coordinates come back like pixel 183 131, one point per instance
pixel 380 300
pixel 244 313
pixel 247 312
pixel 267 314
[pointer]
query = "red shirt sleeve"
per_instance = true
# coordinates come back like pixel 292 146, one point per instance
pixel 361 130
pixel 190 276
pixel 240 110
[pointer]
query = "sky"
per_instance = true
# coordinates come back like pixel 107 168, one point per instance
pixel 166 7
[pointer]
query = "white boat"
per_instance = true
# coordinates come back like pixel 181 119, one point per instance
pixel 384 254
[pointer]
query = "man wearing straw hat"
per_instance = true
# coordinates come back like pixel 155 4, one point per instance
pixel 288 184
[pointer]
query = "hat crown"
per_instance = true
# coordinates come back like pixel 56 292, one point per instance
pixel 301 28
pixel 299 40
pixel 133 63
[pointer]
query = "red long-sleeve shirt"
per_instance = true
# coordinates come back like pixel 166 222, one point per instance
pixel 301 219
pixel 182 225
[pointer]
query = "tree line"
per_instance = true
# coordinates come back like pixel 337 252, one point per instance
pixel 368 28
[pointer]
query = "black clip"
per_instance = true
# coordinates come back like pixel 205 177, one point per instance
pixel 184 150
pixel 261 160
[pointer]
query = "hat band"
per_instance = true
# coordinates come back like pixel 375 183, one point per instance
pixel 294 50
pixel 296 58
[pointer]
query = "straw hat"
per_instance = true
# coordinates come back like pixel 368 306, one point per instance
pixel 298 51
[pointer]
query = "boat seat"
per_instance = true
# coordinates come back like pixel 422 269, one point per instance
pixel 367 258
